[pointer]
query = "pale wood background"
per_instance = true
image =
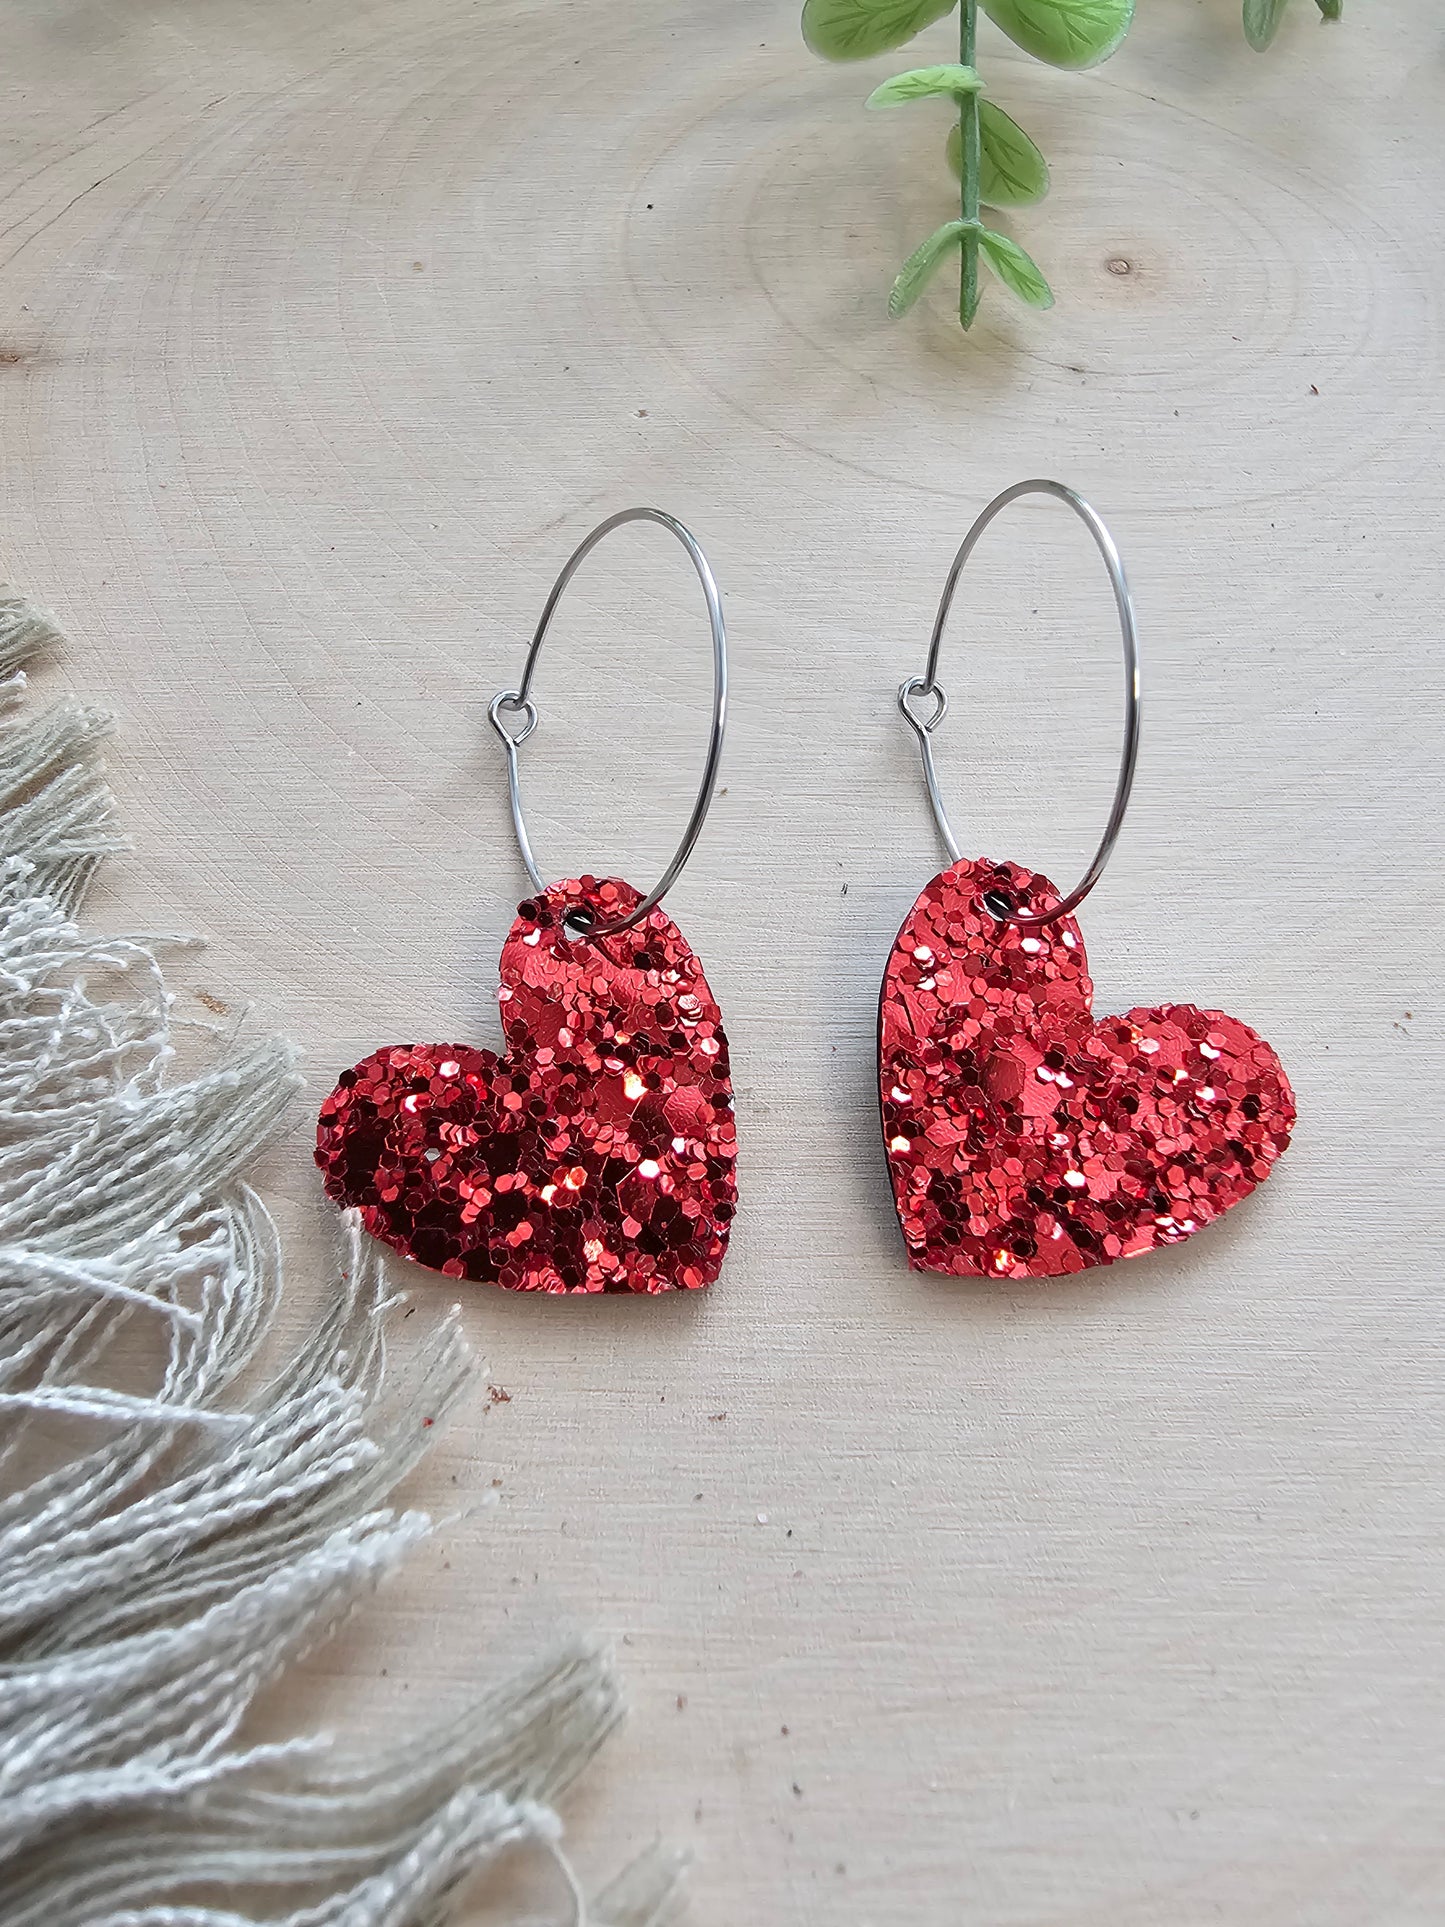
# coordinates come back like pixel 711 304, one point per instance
pixel 325 330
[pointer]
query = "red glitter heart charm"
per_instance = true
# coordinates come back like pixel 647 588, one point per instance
pixel 598 1154
pixel 1027 1140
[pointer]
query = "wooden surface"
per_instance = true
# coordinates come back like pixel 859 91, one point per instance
pixel 325 331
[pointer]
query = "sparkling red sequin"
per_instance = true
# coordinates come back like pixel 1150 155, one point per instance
pixel 597 1155
pixel 1026 1140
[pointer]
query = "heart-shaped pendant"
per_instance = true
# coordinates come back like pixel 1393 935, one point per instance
pixel 1027 1140
pixel 598 1154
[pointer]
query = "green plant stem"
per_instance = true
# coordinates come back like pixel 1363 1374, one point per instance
pixel 971 162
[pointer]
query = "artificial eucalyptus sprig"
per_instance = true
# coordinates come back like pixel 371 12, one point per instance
pixel 997 164
pixel 1262 18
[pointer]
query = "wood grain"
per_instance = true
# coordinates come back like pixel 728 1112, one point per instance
pixel 325 331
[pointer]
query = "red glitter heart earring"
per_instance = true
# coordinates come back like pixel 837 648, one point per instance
pixel 1025 1138
pixel 599 1153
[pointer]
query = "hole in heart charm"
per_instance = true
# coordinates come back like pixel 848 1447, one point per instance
pixel 597 1154
pixel 1026 1139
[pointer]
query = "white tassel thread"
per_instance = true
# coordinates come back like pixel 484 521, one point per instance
pixel 166 1552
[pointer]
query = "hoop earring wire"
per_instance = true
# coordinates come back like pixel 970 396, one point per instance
pixel 519 702
pixel 928 685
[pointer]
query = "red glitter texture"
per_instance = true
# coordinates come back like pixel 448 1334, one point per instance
pixel 598 1154
pixel 1026 1140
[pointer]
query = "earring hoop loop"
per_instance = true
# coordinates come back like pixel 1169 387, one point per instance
pixel 928 685
pixel 518 703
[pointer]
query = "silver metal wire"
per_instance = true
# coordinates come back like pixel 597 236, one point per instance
pixel 923 726
pixel 518 703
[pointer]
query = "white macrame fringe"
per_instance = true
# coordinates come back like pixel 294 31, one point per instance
pixel 166 1552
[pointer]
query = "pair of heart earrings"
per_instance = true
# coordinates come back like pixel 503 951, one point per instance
pixel 1024 1138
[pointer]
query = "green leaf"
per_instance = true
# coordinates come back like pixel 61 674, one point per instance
pixel 1014 268
pixel 918 270
pixel 1261 21
pixel 1331 9
pixel 1013 173
pixel 924 81
pixel 857 29
pixel 1066 33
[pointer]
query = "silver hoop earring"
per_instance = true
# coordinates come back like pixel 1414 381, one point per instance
pixel 598 1153
pixel 1024 1138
